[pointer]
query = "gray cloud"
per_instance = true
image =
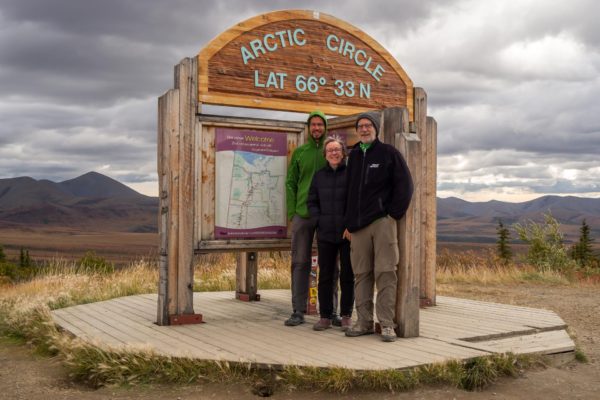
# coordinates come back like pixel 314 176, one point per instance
pixel 513 86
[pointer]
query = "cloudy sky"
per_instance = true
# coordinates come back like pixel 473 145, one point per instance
pixel 513 85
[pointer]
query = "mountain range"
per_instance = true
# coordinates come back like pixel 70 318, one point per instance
pixel 464 221
pixel 92 201
pixel 96 202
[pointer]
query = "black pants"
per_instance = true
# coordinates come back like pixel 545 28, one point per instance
pixel 328 253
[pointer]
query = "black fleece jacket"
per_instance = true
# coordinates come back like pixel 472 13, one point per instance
pixel 326 201
pixel 379 184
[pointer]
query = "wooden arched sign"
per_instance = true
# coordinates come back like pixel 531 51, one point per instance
pixel 298 61
pixel 222 177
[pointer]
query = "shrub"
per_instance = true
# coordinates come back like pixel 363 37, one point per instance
pixel 91 263
pixel 546 249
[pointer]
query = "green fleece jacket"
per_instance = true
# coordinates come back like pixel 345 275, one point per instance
pixel 306 160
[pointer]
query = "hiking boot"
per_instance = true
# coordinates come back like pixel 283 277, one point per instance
pixel 359 330
pixel 295 320
pixel 346 323
pixel 322 324
pixel 336 320
pixel 388 334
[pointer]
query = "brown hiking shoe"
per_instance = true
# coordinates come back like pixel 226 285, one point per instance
pixel 322 324
pixel 388 334
pixel 359 330
pixel 346 323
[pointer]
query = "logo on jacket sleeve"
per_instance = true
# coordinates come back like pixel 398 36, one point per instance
pixel 373 165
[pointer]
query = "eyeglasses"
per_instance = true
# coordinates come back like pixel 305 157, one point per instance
pixel 333 151
pixel 364 126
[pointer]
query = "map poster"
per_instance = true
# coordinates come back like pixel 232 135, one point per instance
pixel 250 184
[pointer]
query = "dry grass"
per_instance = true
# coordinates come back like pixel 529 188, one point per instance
pixel 25 313
pixel 485 268
pixel 216 272
pixel 57 285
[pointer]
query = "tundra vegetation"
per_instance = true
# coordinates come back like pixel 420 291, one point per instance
pixel 29 290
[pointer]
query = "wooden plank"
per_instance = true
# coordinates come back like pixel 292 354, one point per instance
pixel 226 99
pixel 170 339
pixel 412 354
pixel 162 317
pixel 219 246
pixel 503 311
pixel 342 122
pixel 543 342
pixel 208 183
pixel 407 302
pixel 247 274
pixel 484 305
pixel 171 175
pixel 65 322
pixel 430 205
pixel 524 322
pixel 473 323
pixel 197 173
pixel 252 123
pixel 390 123
pixel 186 83
pixel 240 331
pixel 420 125
pixel 97 329
pixel 140 334
pixel 517 316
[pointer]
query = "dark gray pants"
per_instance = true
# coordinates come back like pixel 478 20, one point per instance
pixel 303 232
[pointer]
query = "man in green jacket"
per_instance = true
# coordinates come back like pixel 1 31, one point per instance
pixel 306 160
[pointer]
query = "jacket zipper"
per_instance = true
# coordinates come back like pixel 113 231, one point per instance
pixel 362 172
pixel 333 200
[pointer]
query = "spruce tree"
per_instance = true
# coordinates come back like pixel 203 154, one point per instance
pixel 504 251
pixel 583 249
pixel 22 258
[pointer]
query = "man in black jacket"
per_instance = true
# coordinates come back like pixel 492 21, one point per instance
pixel 379 191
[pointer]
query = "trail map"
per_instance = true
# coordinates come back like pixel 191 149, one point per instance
pixel 250 184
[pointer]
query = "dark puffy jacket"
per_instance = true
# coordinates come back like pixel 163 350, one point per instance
pixel 326 201
pixel 379 184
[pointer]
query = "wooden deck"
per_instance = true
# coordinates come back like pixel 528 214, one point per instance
pixel 254 332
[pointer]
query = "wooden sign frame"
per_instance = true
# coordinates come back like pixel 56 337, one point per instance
pixel 205 208
pixel 186 172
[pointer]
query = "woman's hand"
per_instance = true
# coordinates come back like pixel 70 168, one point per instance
pixel 347 235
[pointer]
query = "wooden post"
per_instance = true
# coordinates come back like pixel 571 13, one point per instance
pixel 396 132
pixel 430 207
pixel 173 205
pixel 177 119
pixel 168 124
pixel 185 76
pixel 246 276
pixel 420 125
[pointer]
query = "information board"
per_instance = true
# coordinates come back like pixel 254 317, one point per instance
pixel 250 184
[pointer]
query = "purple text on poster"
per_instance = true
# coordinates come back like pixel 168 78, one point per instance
pixel 266 143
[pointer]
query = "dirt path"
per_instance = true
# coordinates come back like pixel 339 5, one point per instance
pixel 24 375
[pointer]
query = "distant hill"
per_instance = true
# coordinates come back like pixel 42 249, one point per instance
pixel 99 203
pixel 462 221
pixel 91 200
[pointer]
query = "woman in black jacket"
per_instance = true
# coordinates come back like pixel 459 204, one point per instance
pixel 327 203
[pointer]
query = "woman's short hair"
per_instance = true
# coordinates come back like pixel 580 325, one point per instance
pixel 336 139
